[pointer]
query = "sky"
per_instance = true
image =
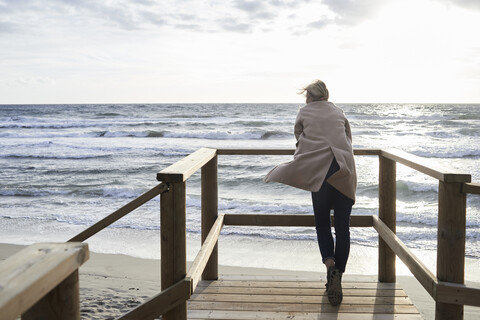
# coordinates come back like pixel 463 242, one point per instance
pixel 236 51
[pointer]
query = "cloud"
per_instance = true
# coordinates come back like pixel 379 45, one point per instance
pixel 8 27
pixel 154 18
pixel 320 24
pixel 128 15
pixel 189 27
pixel 289 4
pixel 255 9
pixel 467 4
pixel 234 26
pixel 29 81
pixel 244 15
pixel 352 12
pixel 249 6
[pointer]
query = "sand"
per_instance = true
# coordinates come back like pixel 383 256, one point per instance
pixel 112 284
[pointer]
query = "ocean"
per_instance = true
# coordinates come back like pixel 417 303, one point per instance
pixel 64 167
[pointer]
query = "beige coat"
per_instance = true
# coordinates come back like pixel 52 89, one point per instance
pixel 322 132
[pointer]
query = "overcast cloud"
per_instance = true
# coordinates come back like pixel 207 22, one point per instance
pixel 25 15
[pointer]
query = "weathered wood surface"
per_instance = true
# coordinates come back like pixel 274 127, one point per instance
pixel 29 275
pixel 288 220
pixel 181 170
pixel 387 196
pixel 425 166
pixel 415 265
pixel 210 213
pixel 277 299
pixel 358 152
pixel 173 242
pixel 271 152
pixel 455 293
pixel 451 243
pixel 62 302
pixel 200 262
pixel 245 315
pixel 473 188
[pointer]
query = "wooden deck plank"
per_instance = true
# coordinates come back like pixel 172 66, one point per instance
pixel 323 307
pixel 305 291
pixel 309 277
pixel 245 315
pixel 299 299
pixel 287 299
pixel 296 284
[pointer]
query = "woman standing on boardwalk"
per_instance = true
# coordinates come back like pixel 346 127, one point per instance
pixel 323 164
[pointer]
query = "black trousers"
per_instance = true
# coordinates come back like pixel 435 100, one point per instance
pixel 323 200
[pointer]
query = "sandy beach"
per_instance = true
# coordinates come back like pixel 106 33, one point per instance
pixel 112 284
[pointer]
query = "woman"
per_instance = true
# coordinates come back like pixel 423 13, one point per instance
pixel 323 164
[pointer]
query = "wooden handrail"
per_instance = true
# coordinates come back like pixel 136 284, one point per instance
pixel 288 220
pixel 201 260
pixel 280 152
pixel 473 188
pixel 113 217
pixel 163 302
pixel 426 278
pixel 444 292
pixel 171 303
pixel 276 152
pixel 455 293
pixel 420 164
pixel 181 170
pixel 425 166
pixel 41 281
pixel 32 281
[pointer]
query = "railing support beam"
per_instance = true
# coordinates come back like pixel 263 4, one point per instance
pixel 452 205
pixel 387 194
pixel 63 302
pixel 210 213
pixel 173 243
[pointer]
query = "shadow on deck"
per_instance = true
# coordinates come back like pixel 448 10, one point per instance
pixel 250 297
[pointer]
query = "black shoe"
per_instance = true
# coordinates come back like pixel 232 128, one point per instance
pixel 334 288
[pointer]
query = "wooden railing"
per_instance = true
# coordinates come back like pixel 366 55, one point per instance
pixel 41 282
pixel 446 288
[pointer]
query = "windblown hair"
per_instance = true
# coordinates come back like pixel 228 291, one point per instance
pixel 317 91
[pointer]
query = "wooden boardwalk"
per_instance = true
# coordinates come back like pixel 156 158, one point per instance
pixel 298 299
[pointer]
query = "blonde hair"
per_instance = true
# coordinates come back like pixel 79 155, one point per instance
pixel 317 91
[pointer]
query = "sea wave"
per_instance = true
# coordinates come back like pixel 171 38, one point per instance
pixel 474 132
pixel 449 153
pixel 193 134
pixel 409 187
pixel 116 138
pixel 50 156
pixel 25 192
pixel 226 135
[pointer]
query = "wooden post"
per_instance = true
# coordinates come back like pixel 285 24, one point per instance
pixel 173 243
pixel 210 213
pixel 63 302
pixel 451 243
pixel 387 195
